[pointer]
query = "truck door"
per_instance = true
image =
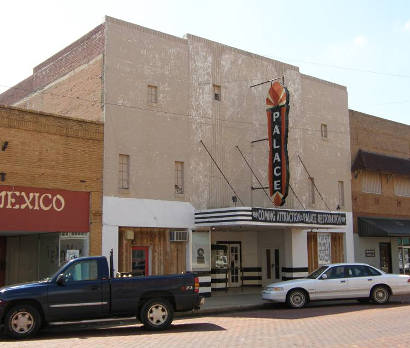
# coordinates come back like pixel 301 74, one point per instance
pixel 80 293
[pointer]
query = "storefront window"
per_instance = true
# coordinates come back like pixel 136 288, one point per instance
pixel 73 245
pixel 404 255
pixel 201 250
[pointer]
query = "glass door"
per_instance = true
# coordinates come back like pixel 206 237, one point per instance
pixel 385 257
pixel 234 265
pixel 404 260
pixel 140 261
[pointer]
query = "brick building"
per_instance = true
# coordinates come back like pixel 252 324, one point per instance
pixel 381 191
pixel 167 207
pixel 50 192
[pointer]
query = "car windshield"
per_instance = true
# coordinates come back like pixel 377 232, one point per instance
pixel 317 272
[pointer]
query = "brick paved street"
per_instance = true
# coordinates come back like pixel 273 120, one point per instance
pixel 319 325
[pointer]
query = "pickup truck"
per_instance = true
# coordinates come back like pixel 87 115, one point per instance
pixel 85 289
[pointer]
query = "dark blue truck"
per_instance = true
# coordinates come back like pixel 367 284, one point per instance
pixel 85 289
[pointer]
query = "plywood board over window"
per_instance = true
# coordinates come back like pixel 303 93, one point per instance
pixel 336 249
pixel 166 257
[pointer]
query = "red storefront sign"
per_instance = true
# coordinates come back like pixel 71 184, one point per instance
pixel 42 210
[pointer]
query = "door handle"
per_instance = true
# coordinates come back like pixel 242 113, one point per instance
pixel 94 287
pixel 343 281
pixel 370 279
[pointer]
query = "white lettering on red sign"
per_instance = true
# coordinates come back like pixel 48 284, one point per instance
pixel 31 201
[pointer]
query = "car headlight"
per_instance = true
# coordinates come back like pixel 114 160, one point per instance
pixel 275 288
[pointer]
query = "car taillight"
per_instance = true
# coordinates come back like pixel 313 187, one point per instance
pixel 196 284
pixel 408 280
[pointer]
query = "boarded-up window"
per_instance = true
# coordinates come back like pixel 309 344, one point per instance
pixel 371 182
pixel 402 186
pixel 333 246
pixel 124 170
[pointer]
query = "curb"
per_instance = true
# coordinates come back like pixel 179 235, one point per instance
pixel 83 325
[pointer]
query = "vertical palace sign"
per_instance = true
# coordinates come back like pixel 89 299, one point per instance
pixel 277 111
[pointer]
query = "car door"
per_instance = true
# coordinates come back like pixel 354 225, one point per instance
pixel 79 295
pixel 331 285
pixel 361 280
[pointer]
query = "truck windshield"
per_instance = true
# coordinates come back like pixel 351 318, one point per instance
pixel 317 272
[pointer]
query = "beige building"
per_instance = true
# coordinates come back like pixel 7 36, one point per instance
pixel 165 102
pixel 381 191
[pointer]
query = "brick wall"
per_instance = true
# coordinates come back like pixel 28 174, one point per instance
pixel 54 152
pixel 70 58
pixel 386 137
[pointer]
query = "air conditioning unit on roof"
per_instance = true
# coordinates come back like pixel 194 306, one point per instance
pixel 178 236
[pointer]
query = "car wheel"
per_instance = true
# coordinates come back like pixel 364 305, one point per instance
pixel 380 294
pixel 22 321
pixel 156 314
pixel 296 298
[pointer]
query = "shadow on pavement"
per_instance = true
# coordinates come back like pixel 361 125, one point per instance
pixel 77 331
pixel 314 309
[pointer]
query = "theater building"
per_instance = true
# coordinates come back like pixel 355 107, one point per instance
pixel 187 152
pixel 50 192
pixel 381 192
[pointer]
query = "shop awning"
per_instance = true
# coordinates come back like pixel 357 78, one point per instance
pixel 379 227
pixel 381 163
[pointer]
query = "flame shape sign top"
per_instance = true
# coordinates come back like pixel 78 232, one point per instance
pixel 277 112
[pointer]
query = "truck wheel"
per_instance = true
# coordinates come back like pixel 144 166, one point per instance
pixel 22 321
pixel 156 314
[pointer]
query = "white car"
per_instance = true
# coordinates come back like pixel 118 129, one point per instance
pixel 339 281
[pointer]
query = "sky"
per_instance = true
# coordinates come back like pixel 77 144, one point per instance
pixel 362 44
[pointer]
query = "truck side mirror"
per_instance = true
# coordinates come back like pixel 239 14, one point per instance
pixel 60 279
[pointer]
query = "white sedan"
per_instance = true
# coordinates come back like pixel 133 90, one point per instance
pixel 339 281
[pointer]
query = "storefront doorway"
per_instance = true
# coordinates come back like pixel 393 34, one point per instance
pixel 404 259
pixel 234 263
pixel 140 261
pixel 385 257
pixel 271 265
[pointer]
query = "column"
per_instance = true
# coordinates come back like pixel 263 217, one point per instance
pixel 296 255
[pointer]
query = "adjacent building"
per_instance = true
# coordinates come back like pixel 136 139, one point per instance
pixel 381 191
pixel 50 192
pixel 186 155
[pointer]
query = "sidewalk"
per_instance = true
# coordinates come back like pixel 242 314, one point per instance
pixel 235 299
pixel 232 300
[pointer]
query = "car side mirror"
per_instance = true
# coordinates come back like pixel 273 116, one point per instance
pixel 323 277
pixel 60 279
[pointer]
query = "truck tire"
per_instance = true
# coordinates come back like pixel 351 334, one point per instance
pixel 22 321
pixel 156 314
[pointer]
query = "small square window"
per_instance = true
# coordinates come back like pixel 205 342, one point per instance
pixel 217 92
pixel 152 94
pixel 323 130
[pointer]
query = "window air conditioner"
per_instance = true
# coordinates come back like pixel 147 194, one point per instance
pixel 178 236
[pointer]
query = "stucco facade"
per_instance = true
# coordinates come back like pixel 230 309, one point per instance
pixel 186 73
